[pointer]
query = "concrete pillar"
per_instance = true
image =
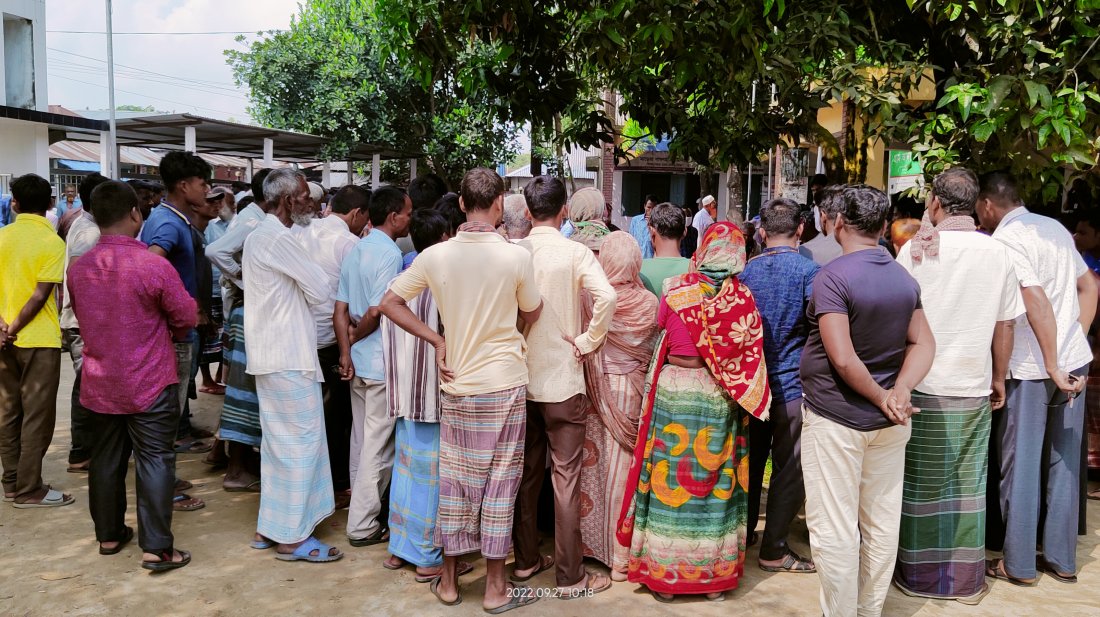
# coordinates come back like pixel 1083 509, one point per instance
pixel 326 174
pixel 375 171
pixel 269 151
pixel 723 196
pixel 248 172
pixel 412 169
pixel 189 138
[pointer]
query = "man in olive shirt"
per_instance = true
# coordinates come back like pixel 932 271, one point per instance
pixel 666 229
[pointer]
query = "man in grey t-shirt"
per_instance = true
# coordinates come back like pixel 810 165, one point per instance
pixel 824 247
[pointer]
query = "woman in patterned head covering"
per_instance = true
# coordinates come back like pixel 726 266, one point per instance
pixel 586 210
pixel 684 516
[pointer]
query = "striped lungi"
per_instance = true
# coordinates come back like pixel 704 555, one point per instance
pixel 414 494
pixel 295 478
pixel 480 464
pixel 240 421
pixel 212 342
pixel 942 540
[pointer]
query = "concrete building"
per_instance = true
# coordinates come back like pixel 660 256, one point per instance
pixel 25 144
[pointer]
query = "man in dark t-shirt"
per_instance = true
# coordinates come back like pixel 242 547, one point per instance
pixel 869 346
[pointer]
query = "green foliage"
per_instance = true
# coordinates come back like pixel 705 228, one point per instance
pixel 329 74
pixel 135 108
pixel 1015 80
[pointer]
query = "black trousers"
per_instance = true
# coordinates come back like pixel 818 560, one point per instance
pixel 780 436
pixel 336 398
pixel 79 416
pixel 150 436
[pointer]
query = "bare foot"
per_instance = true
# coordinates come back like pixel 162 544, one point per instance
pixel 618 577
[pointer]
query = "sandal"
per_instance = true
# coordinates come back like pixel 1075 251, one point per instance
pixel 463 568
pixel 251 487
pixel 545 563
pixel 518 600
pixel 378 537
pixel 182 485
pixel 127 536
pixel 193 446
pixel 167 562
pixel 995 568
pixel 434 588
pixel 304 550
pixel 1044 566
pixel 79 467
pixel 53 499
pixel 587 591
pixel 792 563
pixel 216 390
pixel 666 598
pixel 1094 494
pixel 183 502
pixel 261 545
pixel 201 433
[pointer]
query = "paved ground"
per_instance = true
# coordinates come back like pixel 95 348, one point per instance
pixel 49 566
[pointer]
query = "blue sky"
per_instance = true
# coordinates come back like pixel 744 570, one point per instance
pixel 181 73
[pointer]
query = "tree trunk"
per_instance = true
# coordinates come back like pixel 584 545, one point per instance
pixel 734 204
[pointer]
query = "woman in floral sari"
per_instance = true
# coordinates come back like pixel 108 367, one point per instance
pixel 616 378
pixel 685 521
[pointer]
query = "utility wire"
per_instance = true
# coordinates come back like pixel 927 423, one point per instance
pixel 88 83
pixel 136 68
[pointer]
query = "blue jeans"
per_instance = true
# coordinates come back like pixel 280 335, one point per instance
pixel 1040 463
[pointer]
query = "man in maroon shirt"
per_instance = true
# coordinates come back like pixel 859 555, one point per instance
pixel 129 376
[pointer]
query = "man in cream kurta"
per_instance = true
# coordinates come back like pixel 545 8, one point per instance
pixel 556 400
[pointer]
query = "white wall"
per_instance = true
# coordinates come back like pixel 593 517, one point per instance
pixel 24 148
pixel 35 11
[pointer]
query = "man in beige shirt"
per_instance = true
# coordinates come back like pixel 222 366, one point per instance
pixel 481 284
pixel 557 345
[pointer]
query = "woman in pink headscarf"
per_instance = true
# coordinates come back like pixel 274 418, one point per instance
pixel 616 379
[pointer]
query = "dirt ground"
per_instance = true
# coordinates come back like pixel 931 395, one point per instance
pixel 49 566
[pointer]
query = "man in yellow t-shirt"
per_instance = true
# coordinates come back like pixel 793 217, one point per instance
pixel 481 283
pixel 30 344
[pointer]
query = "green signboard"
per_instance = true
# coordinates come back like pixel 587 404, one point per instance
pixel 903 163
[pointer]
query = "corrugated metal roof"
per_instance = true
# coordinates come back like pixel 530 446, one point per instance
pixel 133 155
pixel 577 164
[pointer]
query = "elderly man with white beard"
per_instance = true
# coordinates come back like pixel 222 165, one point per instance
pixel 281 282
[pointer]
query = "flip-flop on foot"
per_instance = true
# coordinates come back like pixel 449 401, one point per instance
pixel 545 563
pixel 304 550
pixel 434 588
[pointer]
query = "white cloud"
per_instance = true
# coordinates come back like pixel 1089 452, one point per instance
pixel 199 80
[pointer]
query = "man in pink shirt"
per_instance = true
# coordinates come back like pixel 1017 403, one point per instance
pixel 129 376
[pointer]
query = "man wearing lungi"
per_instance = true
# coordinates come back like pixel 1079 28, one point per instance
pixel 281 282
pixel 480 282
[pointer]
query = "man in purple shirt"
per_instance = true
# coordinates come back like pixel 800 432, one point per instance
pixel 129 376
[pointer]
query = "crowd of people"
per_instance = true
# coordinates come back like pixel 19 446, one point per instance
pixel 427 359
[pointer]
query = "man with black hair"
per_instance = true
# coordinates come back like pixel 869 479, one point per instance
pixel 328 241
pixel 666 230
pixel 30 344
pixel 781 282
pixel 448 206
pixel 87 185
pixel 169 233
pixel 425 190
pixel 82 235
pixel 480 282
pixel 240 419
pixel 130 382
pixel 824 247
pixel 1039 434
pixel 364 276
pixel 556 403
pixel 639 227
pixel 412 399
pixel 869 345
pixel 281 283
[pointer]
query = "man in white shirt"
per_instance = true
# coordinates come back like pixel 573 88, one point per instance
pixel 971 297
pixel 1043 419
pixel 705 217
pixel 239 426
pixel 328 241
pixel 364 277
pixel 824 248
pixel 82 236
pixel 557 345
pixel 280 285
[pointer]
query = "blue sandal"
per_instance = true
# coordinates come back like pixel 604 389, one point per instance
pixel 302 553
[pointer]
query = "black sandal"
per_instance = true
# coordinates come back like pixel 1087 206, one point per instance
pixel 127 536
pixel 1044 566
pixel 994 568
pixel 165 564
pixel 792 563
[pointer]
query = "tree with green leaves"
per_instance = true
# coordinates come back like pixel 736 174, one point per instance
pixel 328 74
pixel 1015 81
